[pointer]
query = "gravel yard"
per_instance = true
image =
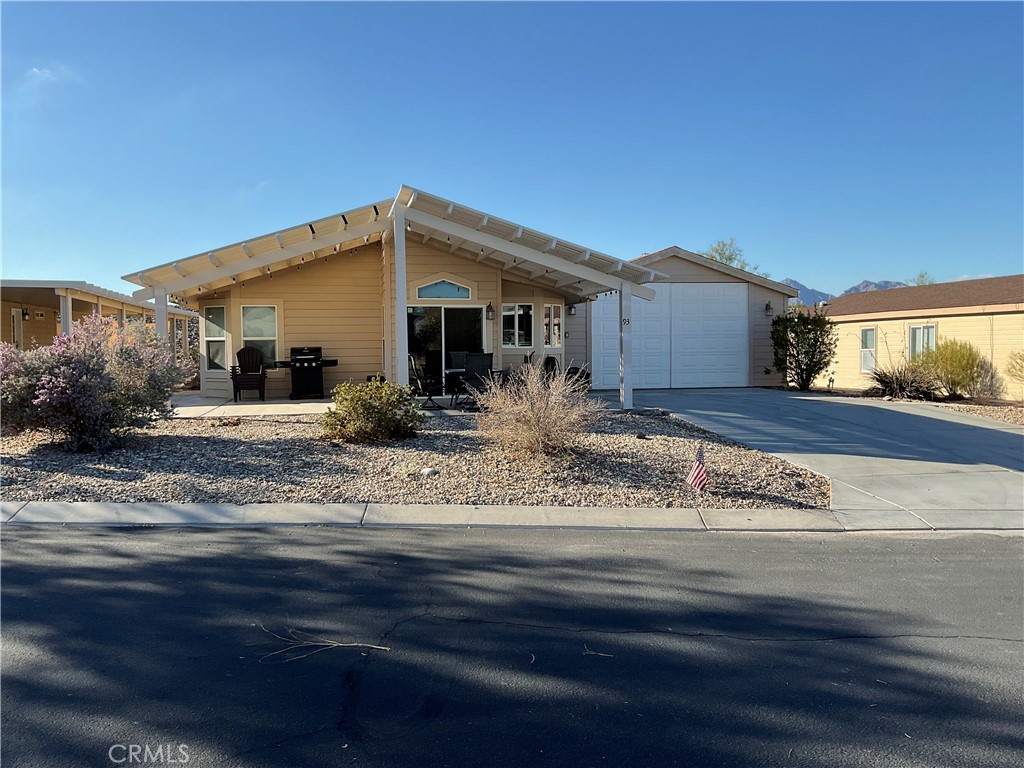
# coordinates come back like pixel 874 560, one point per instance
pixel 1011 414
pixel 282 459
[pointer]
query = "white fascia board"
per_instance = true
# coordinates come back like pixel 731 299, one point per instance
pixel 258 261
pixel 521 252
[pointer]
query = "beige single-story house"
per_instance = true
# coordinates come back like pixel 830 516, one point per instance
pixel 883 328
pixel 35 311
pixel 416 275
pixel 708 325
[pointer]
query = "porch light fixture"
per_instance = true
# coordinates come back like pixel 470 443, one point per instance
pixel 571 310
pixel 489 312
pixel 768 310
pixel 26 315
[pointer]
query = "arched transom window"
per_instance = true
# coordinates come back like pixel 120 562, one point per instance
pixel 442 289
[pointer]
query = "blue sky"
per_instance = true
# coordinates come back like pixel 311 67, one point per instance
pixel 835 142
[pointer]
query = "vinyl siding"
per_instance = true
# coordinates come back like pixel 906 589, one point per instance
pixel 36 333
pixel 334 305
pixel 995 335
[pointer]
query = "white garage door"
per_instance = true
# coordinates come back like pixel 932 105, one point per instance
pixel 689 335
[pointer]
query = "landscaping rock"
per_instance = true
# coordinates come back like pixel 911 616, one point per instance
pixel 283 459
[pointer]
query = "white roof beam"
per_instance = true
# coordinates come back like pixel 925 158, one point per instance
pixel 280 242
pixel 214 260
pixel 261 261
pixel 550 246
pixel 455 245
pixel 521 252
pixel 177 268
pixel 247 250
pixel 585 256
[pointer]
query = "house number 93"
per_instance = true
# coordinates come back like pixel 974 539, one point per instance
pixel 625 321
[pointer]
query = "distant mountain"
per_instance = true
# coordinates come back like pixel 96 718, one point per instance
pixel 808 296
pixel 867 285
pixel 812 296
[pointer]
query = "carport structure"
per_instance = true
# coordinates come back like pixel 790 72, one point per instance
pixel 405 244
pixel 37 310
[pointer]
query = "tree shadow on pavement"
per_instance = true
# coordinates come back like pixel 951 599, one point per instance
pixel 596 649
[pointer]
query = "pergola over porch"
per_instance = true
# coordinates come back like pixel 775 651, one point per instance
pixel 577 272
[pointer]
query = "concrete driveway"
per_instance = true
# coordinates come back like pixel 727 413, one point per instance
pixel 892 461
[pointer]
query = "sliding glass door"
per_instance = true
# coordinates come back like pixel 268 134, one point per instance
pixel 436 332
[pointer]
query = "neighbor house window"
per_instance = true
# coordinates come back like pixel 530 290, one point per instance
pixel 922 339
pixel 868 355
pixel 552 325
pixel 442 289
pixel 517 325
pixel 259 329
pixel 216 342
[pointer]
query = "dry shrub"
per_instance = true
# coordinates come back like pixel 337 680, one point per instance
pixel 530 412
pixel 905 381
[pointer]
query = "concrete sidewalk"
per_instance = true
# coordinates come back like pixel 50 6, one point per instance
pixel 467 516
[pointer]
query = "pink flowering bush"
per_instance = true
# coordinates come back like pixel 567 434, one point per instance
pixel 93 386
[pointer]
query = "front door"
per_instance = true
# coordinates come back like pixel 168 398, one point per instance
pixel 436 332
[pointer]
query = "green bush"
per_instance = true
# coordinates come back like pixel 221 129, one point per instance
pixel 906 381
pixel 374 412
pixel 958 366
pixel 803 346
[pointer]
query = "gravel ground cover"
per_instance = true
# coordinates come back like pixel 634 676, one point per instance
pixel 1011 414
pixel 1000 410
pixel 282 459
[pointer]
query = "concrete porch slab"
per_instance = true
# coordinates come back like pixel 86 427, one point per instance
pixel 769 520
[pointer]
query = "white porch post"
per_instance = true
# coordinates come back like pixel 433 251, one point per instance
pixel 121 316
pixel 401 302
pixel 625 347
pixel 160 298
pixel 65 312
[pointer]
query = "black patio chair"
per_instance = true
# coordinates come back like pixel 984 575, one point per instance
pixel 249 373
pixel 424 387
pixel 479 367
pixel 457 359
pixel 550 367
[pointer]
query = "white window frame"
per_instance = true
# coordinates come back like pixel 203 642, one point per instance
pixel 223 338
pixel 515 314
pixel 549 325
pixel 268 364
pixel 920 327
pixel 873 350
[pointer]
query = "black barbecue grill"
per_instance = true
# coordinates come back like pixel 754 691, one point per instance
pixel 307 366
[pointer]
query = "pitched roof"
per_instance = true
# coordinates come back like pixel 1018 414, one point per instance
pixel 674 250
pixel 988 291
pixel 472 234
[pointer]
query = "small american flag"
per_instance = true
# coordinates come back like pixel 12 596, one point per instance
pixel 698 477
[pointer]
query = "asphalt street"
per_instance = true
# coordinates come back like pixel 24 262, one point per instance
pixel 510 648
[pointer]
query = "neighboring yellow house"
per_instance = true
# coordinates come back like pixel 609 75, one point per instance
pixel 413 276
pixel 35 311
pixel 881 328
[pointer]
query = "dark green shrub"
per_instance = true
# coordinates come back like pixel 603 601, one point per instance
pixel 803 346
pixel 372 412
pixel 906 381
pixel 957 366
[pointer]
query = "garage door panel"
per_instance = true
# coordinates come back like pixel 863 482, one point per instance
pixel 690 335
